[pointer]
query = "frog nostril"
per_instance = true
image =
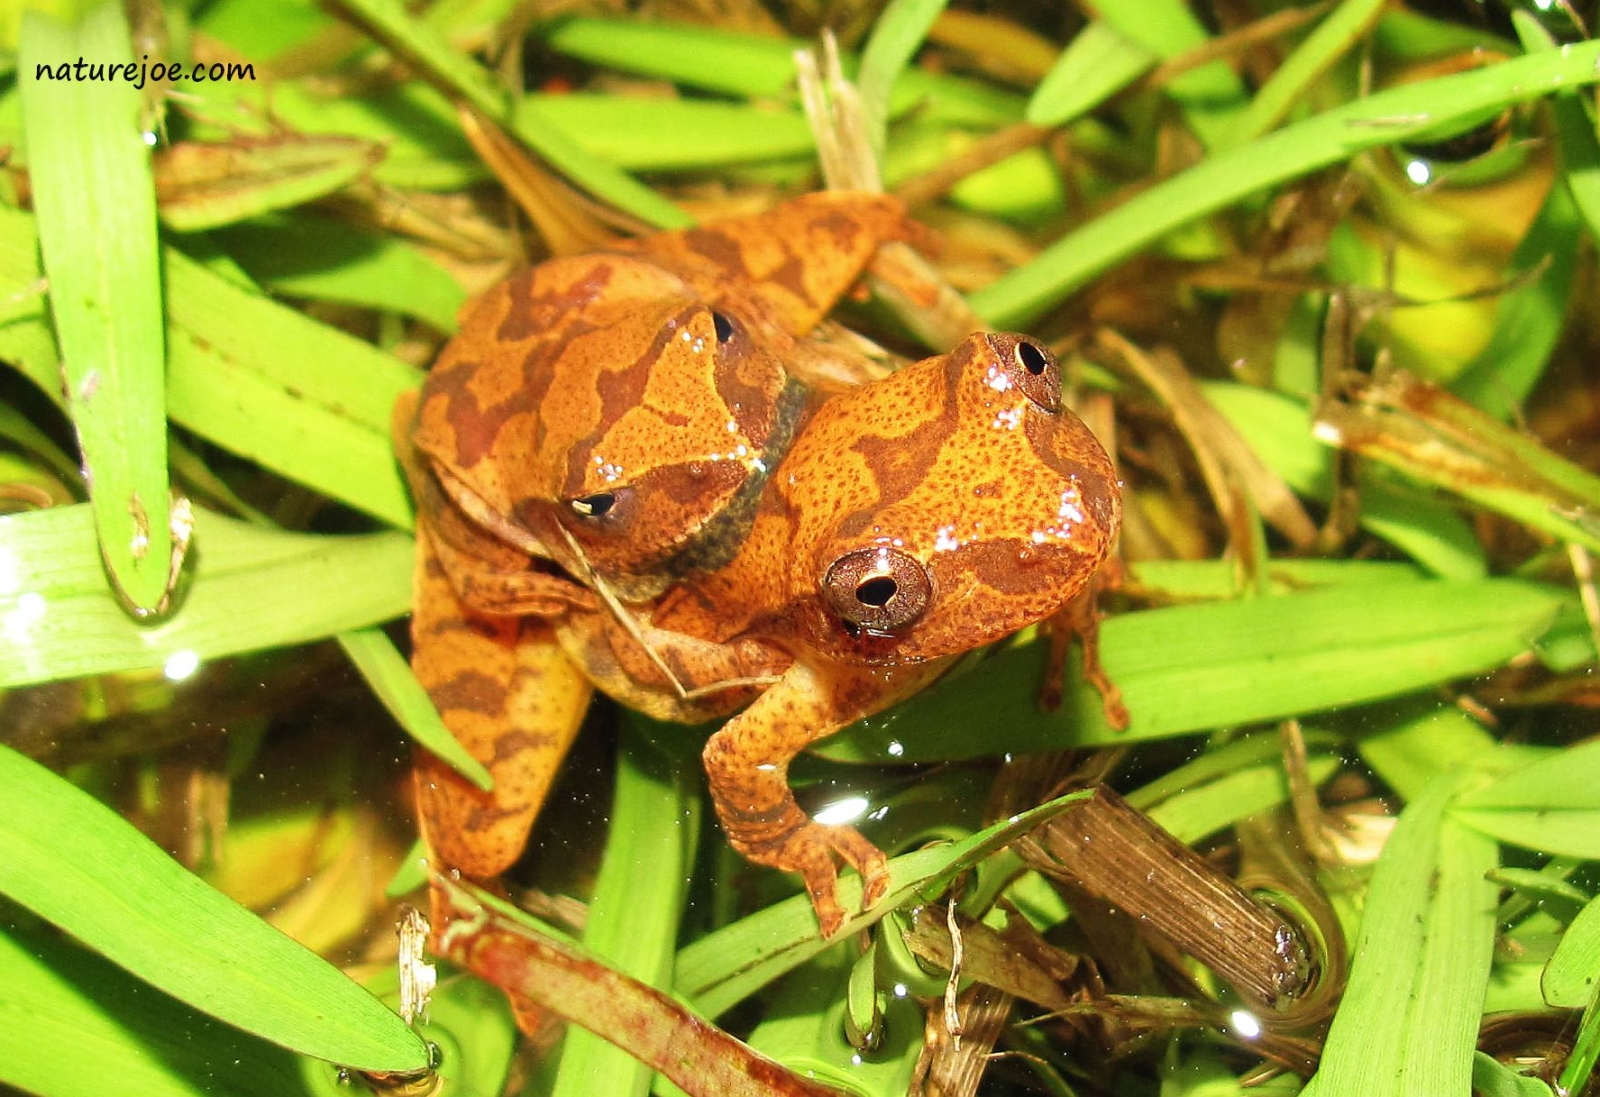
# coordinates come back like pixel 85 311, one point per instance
pixel 724 326
pixel 594 506
pixel 1031 357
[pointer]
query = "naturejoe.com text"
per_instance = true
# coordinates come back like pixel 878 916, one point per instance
pixel 139 73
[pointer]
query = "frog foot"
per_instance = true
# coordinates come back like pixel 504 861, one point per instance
pixel 810 849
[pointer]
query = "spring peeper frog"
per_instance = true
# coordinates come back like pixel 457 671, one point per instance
pixel 602 426
pixel 914 518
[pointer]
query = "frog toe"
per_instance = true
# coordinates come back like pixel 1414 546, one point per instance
pixel 811 852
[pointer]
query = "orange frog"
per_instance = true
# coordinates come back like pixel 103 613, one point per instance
pixel 602 426
pixel 618 484
pixel 914 518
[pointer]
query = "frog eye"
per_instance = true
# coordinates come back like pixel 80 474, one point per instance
pixel 726 328
pixel 879 590
pixel 1032 368
pixel 593 506
pixel 598 505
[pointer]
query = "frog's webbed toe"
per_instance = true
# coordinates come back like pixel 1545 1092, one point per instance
pixel 810 850
pixel 860 854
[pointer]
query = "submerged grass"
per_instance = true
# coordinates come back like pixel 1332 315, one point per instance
pixel 1360 242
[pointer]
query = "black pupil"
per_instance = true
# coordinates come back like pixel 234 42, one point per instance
pixel 595 505
pixel 876 592
pixel 723 325
pixel 1032 358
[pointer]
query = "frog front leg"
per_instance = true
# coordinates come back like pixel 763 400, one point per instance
pixel 747 764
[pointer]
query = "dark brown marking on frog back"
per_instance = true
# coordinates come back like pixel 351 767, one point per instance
pixel 791 276
pixel 719 248
pixel 620 390
pixel 473 428
pixel 531 315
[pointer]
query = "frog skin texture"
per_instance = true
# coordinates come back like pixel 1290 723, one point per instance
pixel 638 497
pixel 601 425
pixel 915 518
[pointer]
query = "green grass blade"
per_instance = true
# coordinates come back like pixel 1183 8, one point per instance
pixel 745 65
pixel 895 39
pixel 273 385
pixel 1421 524
pixel 1492 1078
pixel 251 589
pixel 258 378
pixel 1251 749
pixel 1547 890
pixel 723 968
pixel 76 863
pixel 1413 741
pixel 1453 973
pixel 1219 181
pixel 1279 427
pixel 1408 1021
pixel 1332 38
pixel 424 47
pixel 1573 121
pixel 1572 974
pixel 238 24
pixel 1189 668
pixel 1572 832
pixel 1431 436
pixel 1198 813
pixel 1097 64
pixel 1218 580
pixel 1579 1068
pixel 469 1022
pixel 90 172
pixel 305 255
pixel 26 435
pixel 27 342
pixel 205 186
pixel 1407 35
pixel 1528 317
pixel 804 1029
pixel 1580 157
pixel 761 66
pixel 1209 96
pixel 633 916
pixel 79 1026
pixel 1561 779
pixel 417 127
pixel 387 672
pixel 672 134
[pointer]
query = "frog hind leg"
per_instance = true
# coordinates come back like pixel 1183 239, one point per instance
pixel 747 763
pixel 797 259
pixel 513 700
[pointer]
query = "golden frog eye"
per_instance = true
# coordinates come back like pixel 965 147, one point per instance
pixel 879 590
pixel 1032 368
